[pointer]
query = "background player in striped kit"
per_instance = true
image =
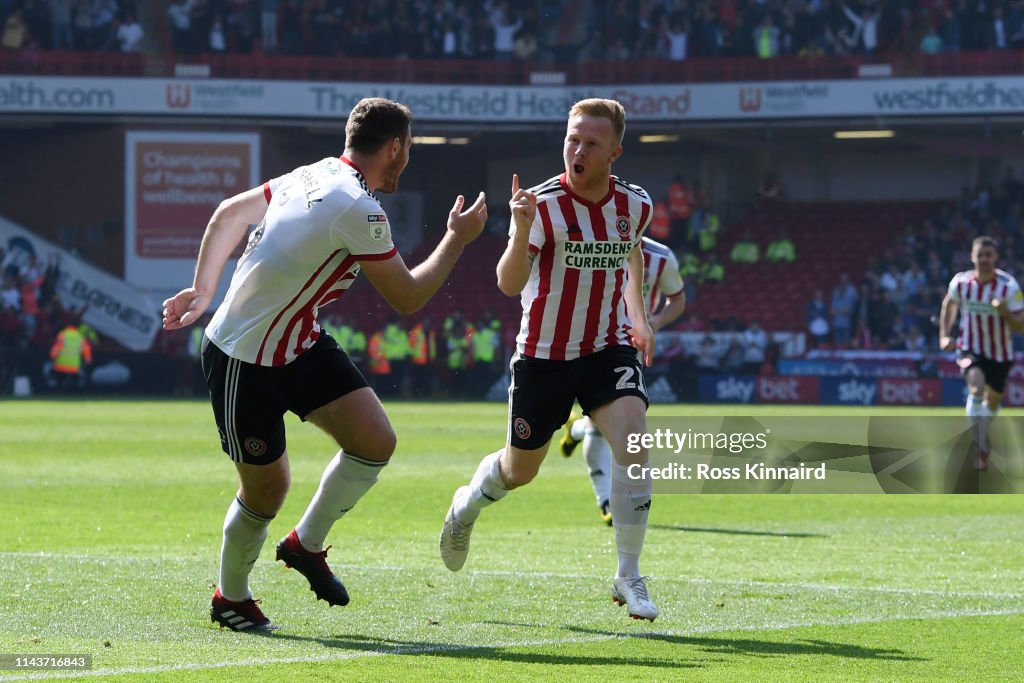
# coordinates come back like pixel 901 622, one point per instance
pixel 661 280
pixel 265 353
pixel 991 308
pixel 571 242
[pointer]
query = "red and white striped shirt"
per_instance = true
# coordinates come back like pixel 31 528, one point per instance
pixel 320 222
pixel 982 330
pixel 573 303
pixel 661 273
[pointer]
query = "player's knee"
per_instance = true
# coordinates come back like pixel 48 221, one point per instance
pixel 266 496
pixel 518 474
pixel 388 444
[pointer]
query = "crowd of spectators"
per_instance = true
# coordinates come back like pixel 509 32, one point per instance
pixel 896 304
pixel 556 31
pixel 31 313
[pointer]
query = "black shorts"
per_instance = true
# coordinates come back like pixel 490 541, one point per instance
pixel 249 401
pixel 542 391
pixel 995 371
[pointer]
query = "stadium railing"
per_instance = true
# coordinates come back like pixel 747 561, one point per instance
pixel 273 67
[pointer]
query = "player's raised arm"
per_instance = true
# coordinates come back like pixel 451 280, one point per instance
pixel 408 291
pixel 225 230
pixel 670 312
pixel 515 263
pixel 643 335
pixel 950 307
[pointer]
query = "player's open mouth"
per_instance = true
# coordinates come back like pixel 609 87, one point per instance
pixel 577 168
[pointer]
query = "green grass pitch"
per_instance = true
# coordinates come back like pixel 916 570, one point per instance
pixel 110 525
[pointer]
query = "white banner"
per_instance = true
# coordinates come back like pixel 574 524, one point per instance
pixel 663 102
pixel 112 306
pixel 173 183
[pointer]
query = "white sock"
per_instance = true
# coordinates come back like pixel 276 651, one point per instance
pixel 580 427
pixel 630 504
pixel 485 488
pixel 599 461
pixel 344 482
pixel 974 406
pixel 244 533
pixel 987 415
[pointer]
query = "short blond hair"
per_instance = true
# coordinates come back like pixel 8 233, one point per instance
pixel 607 109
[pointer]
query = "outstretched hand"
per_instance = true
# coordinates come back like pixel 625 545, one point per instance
pixel 184 308
pixel 523 206
pixel 467 225
pixel 642 337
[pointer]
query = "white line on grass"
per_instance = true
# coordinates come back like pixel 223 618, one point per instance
pixel 823 587
pixel 440 649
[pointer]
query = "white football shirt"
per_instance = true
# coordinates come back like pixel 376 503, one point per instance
pixel 982 330
pixel 573 303
pixel 321 221
pixel 661 273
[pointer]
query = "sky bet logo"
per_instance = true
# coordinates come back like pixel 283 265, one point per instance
pixel 858 393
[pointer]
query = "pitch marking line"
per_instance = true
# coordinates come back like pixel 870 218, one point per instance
pixel 435 649
pixel 822 587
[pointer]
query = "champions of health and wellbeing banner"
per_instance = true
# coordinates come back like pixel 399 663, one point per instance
pixel 663 102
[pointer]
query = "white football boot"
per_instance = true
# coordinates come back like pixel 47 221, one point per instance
pixel 454 540
pixel 631 591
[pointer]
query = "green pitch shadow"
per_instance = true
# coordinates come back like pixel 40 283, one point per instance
pixel 387 646
pixel 738 532
pixel 749 646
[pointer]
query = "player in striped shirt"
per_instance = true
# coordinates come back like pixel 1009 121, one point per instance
pixel 572 241
pixel 661 279
pixel 991 308
pixel 265 354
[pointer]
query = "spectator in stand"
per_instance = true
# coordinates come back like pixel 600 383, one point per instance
pixel 746 250
pixel 914 340
pixel 997 36
pixel 10 295
pixel 526 46
pixel 733 358
pixel 16 34
pixel 708 355
pixel 817 318
pixel 711 271
pixel 181 25
pixel 708 237
pixel 754 341
pixel 660 228
pixel 218 43
pixel 677 37
pixel 268 26
pixel 679 208
pixel 882 319
pixel 931 43
pixel 130 34
pixel 890 279
pixel 241 22
pixel 104 19
pixel 291 27
pixel 61 37
pixel 782 250
pixel 844 302
pixel 865 28
pixel 505 26
pixel 767 38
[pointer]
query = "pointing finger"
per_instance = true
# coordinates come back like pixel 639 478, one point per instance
pixel 515 183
